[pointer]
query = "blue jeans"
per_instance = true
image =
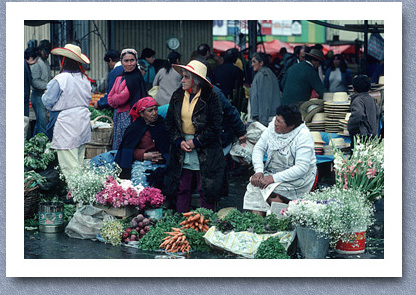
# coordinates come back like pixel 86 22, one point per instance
pixel 40 112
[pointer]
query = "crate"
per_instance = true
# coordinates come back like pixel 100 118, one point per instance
pixel 122 212
pixel 102 135
pixel 92 150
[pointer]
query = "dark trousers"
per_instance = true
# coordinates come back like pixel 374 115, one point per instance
pixel 184 197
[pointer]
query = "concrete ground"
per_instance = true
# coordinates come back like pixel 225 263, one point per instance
pixel 59 246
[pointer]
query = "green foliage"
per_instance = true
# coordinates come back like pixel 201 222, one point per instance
pixel 247 221
pixel 153 238
pixel 208 214
pixel 271 249
pixel 96 113
pixel 196 240
pixel 38 152
pixel 33 179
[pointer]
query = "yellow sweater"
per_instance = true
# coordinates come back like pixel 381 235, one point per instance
pixel 187 111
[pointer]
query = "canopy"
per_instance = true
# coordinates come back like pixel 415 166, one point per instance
pixel 221 46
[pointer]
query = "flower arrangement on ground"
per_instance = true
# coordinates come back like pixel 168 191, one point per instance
pixel 112 232
pixel 119 193
pixel 332 212
pixel 364 170
pixel 86 182
pixel 150 198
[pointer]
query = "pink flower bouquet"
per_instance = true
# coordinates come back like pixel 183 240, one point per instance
pixel 119 193
pixel 150 198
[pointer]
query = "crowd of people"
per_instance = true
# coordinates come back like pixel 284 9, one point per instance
pixel 177 122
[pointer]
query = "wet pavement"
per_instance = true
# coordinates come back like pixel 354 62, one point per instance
pixel 40 245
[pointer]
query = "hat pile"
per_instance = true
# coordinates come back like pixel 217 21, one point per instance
pixel 335 110
pixel 317 123
pixel 343 123
pixel 319 143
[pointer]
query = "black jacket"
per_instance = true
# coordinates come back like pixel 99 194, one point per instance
pixel 207 119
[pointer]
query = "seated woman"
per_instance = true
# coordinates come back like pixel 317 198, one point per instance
pixel 145 144
pixel 290 165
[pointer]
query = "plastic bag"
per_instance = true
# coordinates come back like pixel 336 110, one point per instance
pixel 87 222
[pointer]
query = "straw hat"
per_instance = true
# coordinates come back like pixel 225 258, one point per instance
pixel 381 80
pixel 196 67
pixel 338 142
pixel 73 52
pixel 309 108
pixel 318 118
pixel 339 99
pixel 328 96
pixel 317 138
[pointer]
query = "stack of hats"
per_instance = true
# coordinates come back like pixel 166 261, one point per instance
pixel 319 143
pixel 337 142
pixel 313 115
pixel 335 110
pixel 343 123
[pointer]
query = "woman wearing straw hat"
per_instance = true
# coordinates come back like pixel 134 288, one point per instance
pixel 291 163
pixel 127 90
pixel 193 121
pixel 68 96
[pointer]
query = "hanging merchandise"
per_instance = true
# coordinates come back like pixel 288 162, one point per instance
pixel 376 46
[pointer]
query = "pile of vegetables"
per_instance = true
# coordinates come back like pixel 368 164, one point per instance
pixel 175 242
pixel 38 152
pixel 112 231
pixel 195 220
pixel 139 226
pixel 246 221
pixel 271 249
pixel 33 179
pixel 104 112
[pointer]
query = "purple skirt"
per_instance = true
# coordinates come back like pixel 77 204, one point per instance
pixel 121 122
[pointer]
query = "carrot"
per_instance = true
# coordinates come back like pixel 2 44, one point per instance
pixel 196 217
pixel 183 222
pixel 187 214
pixel 200 226
pixel 176 229
pixel 205 227
pixel 201 219
pixel 196 223
pixel 206 220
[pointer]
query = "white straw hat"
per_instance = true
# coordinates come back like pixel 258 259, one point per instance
pixel 73 52
pixel 317 138
pixel 196 67
pixel 339 98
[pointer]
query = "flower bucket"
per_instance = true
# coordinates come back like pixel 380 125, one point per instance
pixel 356 245
pixel 311 246
pixel 154 213
pixel 51 217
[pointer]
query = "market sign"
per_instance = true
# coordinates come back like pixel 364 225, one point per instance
pixel 286 27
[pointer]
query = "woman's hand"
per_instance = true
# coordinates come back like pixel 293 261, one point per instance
pixel 155 157
pixel 242 139
pixel 186 147
pixel 265 181
pixel 256 179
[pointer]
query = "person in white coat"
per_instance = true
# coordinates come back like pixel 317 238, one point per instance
pixel 290 164
pixel 68 96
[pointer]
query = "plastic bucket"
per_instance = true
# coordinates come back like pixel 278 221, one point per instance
pixel 355 244
pixel 154 213
pixel 311 246
pixel 51 217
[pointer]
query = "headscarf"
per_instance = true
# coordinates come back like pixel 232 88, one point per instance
pixel 141 105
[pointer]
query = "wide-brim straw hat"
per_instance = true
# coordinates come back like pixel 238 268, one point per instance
pixel 319 118
pixel 73 52
pixel 316 53
pixel 317 138
pixel 328 96
pixel 309 108
pixel 195 67
pixel 338 99
pixel 381 80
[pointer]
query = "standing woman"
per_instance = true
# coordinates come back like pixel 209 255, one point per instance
pixel 167 79
pixel 193 122
pixel 127 90
pixel 264 92
pixel 338 76
pixel 68 96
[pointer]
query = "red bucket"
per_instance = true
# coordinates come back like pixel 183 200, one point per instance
pixel 355 245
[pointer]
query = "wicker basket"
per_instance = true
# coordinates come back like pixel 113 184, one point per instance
pixel 31 199
pixel 102 135
pixel 92 149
